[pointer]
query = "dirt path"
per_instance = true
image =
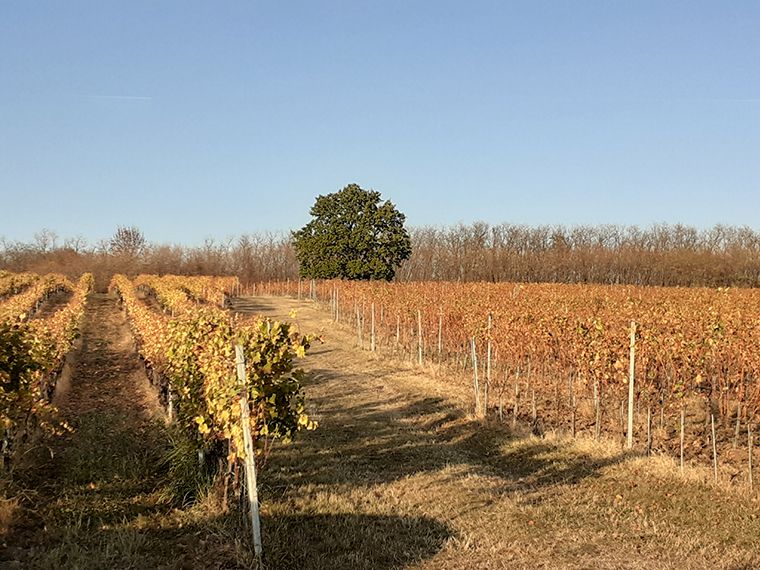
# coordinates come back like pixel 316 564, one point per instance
pixel 108 375
pixel 90 492
pixel 54 302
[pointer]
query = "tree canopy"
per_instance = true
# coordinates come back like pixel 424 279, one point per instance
pixel 352 236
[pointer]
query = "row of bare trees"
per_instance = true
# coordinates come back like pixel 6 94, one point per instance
pixel 252 257
pixel 661 254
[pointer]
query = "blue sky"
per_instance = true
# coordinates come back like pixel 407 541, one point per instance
pixel 195 119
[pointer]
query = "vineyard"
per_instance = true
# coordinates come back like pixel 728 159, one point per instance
pixel 189 347
pixel 412 464
pixel 33 349
pixel 561 354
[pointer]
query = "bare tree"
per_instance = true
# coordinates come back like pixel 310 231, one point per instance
pixel 128 241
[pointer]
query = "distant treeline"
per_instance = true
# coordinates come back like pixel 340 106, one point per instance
pixel 252 257
pixel 660 255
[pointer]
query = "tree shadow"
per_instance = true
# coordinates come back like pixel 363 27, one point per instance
pixel 365 440
pixel 306 542
pixel 350 541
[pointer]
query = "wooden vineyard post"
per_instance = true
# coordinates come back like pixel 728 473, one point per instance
pixel 440 332
pixel 488 363
pixel 250 457
pixel 501 397
pixel 738 425
pixel 622 416
pixel 170 411
pixel 683 421
pixel 574 415
pixel 517 399
pixel 419 335
pixel 597 427
pixel 488 367
pixel 359 326
pixel 749 453
pixel 631 376
pixel 527 375
pixel 475 369
pixel 715 451
pixel 649 431
pixel 372 340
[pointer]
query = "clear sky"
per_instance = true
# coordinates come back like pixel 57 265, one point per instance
pixel 191 119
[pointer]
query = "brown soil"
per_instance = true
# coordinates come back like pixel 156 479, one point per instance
pixel 54 302
pixel 108 375
pixel 150 301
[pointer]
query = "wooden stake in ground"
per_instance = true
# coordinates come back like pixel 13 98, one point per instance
pixel 573 416
pixel 749 452
pixel 488 362
pixel 631 375
pixel 597 410
pixel 475 369
pixel 250 458
pixel 372 341
pixel 359 326
pixel 738 425
pixel 440 332
pixel 715 451
pixel 419 335
pixel 683 421
pixel 517 398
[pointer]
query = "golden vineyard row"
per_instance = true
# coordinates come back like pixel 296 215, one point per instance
pixel 31 350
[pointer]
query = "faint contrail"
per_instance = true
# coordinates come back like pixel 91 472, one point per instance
pixel 117 97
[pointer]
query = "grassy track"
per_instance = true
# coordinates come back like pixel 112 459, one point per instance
pixel 394 445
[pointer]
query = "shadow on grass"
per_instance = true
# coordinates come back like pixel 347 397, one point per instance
pixel 364 439
pixel 350 541
pixel 318 542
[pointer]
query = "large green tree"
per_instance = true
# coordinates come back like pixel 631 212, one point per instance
pixel 352 236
